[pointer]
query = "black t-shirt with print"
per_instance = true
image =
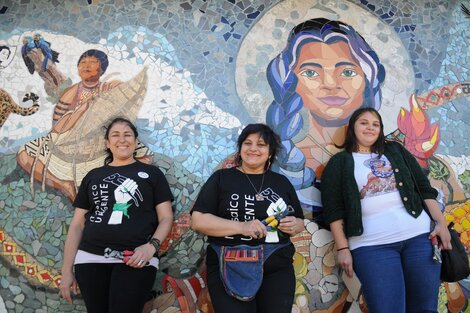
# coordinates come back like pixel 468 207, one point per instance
pixel 132 191
pixel 229 194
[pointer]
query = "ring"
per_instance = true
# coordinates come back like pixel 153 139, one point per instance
pixel 140 262
pixel 257 233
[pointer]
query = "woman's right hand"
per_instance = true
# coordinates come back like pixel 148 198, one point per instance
pixel 254 228
pixel 345 261
pixel 68 284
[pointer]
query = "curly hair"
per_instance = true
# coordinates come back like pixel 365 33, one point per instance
pixel 269 137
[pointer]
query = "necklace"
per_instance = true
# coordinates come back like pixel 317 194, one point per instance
pixel 90 85
pixel 258 195
pixel 363 150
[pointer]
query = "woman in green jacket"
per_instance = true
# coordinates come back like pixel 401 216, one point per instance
pixel 376 216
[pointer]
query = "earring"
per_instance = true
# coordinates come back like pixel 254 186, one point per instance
pixel 238 159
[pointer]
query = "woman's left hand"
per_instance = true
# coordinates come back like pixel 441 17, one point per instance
pixel 443 233
pixel 291 225
pixel 142 254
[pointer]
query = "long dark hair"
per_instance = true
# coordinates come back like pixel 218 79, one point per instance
pixel 117 120
pixel 350 143
pixel 269 137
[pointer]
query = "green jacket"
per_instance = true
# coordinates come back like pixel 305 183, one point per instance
pixel 340 194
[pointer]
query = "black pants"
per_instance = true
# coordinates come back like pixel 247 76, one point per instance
pixel 114 288
pixel 275 295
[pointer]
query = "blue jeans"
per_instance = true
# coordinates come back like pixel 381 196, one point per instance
pixel 399 277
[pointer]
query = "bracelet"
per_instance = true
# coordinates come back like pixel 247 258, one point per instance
pixel 344 248
pixel 155 242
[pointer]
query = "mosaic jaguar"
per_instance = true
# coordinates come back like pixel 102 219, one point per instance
pixel 8 105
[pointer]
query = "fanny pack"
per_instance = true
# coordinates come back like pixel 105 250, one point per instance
pixel 241 267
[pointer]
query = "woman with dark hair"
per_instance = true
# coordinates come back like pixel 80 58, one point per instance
pixel 123 212
pixel 326 71
pixel 375 211
pixel 238 206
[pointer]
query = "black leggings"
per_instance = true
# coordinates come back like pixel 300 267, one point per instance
pixel 115 287
pixel 275 295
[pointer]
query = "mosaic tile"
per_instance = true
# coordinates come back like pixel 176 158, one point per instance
pixel 195 45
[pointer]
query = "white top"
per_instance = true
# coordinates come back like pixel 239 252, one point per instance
pixel 384 217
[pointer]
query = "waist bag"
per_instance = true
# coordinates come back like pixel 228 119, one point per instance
pixel 241 267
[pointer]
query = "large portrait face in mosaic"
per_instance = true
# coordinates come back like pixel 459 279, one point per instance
pixel 330 82
pixel 201 70
pixel 325 72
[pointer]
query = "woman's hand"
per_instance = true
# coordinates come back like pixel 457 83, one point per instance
pixel 68 284
pixel 345 261
pixel 142 254
pixel 291 225
pixel 440 230
pixel 253 228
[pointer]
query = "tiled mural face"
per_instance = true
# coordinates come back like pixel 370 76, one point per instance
pixel 191 74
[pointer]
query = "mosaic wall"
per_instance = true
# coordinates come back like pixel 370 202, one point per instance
pixel 191 74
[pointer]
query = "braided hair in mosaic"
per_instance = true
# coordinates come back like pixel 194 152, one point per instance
pixel 283 114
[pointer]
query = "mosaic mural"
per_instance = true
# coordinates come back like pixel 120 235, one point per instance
pixel 191 74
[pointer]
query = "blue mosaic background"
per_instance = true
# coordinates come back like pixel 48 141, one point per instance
pixel 202 38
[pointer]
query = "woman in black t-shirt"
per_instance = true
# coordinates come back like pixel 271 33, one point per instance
pixel 230 209
pixel 123 212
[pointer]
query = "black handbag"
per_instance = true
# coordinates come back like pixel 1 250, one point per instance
pixel 454 262
pixel 455 265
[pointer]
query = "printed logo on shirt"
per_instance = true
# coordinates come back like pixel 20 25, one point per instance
pixel 143 175
pixel 242 208
pixel 380 179
pixel 269 194
pixel 126 191
pixel 276 210
pixel 100 198
pixel 380 167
